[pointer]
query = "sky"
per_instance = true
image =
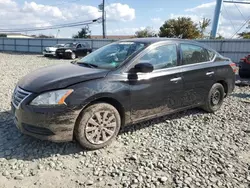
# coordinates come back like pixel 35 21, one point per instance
pixel 124 17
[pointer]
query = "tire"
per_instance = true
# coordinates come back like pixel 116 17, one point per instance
pixel 72 55
pixel 216 92
pixel 91 124
pixel 243 74
pixel 58 56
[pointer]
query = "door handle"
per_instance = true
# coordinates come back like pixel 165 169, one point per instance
pixel 210 73
pixel 176 79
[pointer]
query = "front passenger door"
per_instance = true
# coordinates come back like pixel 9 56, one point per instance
pixel 159 92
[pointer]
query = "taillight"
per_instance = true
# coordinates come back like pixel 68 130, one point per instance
pixel 233 66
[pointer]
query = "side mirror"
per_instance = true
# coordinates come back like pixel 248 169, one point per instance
pixel 144 68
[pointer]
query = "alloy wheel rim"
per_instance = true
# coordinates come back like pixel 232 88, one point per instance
pixel 216 97
pixel 73 56
pixel 101 127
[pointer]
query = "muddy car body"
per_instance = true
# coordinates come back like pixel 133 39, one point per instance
pixel 122 83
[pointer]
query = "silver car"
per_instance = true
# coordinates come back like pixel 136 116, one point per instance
pixel 51 51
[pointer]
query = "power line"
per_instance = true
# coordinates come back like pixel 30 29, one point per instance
pixel 54 20
pixel 240 12
pixel 240 28
pixel 240 2
pixel 53 27
pixel 229 17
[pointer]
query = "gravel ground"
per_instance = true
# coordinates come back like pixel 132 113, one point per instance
pixel 187 149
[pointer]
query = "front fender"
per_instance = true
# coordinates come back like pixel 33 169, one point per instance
pixel 93 90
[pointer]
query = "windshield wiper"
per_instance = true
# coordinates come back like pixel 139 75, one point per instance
pixel 88 64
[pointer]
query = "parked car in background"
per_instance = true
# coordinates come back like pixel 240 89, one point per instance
pixel 244 67
pixel 73 50
pixel 119 84
pixel 51 51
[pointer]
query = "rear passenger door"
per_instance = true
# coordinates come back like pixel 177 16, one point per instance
pixel 198 73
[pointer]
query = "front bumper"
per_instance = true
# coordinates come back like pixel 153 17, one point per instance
pixel 53 124
pixel 63 54
pixel 49 53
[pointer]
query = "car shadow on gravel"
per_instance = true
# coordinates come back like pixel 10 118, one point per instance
pixel 15 145
pixel 241 95
pixel 145 124
pixel 242 82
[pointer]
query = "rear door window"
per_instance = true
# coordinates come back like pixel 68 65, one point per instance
pixel 192 54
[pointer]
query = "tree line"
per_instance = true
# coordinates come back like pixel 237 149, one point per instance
pixel 181 27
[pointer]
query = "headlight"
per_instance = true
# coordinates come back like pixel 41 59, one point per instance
pixel 68 50
pixel 52 98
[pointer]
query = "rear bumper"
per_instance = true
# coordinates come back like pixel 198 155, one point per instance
pixel 54 124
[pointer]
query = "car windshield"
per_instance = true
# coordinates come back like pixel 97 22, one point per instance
pixel 113 55
pixel 69 45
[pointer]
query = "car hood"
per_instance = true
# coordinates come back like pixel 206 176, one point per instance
pixel 58 77
pixel 50 48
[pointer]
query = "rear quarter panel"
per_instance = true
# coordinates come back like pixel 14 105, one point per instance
pixel 224 72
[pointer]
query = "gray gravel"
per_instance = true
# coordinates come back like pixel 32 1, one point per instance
pixel 188 149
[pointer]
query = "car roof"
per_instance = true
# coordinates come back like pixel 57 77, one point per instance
pixel 152 40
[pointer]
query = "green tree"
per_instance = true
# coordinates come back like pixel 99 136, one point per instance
pixel 147 32
pixel 84 33
pixel 220 37
pixel 203 24
pixel 182 27
pixel 244 35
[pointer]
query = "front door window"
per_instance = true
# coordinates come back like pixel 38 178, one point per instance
pixel 161 57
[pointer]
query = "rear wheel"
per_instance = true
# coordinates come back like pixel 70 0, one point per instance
pixel 99 124
pixel 215 98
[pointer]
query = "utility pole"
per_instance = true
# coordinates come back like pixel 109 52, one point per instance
pixel 57 33
pixel 103 20
pixel 217 13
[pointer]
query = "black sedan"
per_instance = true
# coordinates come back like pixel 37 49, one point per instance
pixel 120 84
pixel 73 50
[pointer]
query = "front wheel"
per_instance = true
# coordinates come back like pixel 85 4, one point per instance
pixel 215 98
pixel 99 124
